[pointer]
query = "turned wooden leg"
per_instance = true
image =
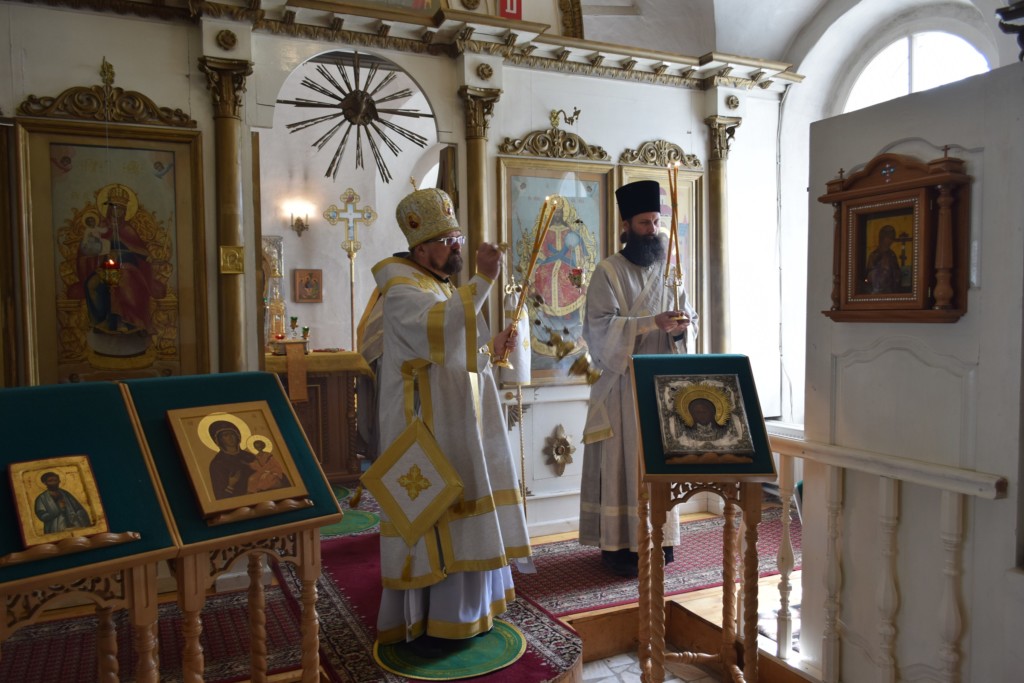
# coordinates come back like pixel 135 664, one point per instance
pixel 751 518
pixel 257 620
pixel 144 613
pixel 106 646
pixel 191 596
pixel 309 572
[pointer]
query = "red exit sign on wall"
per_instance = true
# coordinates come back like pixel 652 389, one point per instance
pixel 511 9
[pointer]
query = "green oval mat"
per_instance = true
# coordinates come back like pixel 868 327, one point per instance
pixel 353 520
pixel 437 659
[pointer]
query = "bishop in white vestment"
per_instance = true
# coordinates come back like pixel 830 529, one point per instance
pixel 445 570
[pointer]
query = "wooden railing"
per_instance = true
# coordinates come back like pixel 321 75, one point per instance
pixel 954 485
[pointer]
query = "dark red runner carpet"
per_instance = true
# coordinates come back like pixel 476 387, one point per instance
pixel 65 650
pixel 571 579
pixel 349 595
pixel 347 602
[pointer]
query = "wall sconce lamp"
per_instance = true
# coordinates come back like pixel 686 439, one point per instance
pixel 299 224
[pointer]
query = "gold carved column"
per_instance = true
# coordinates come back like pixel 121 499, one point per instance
pixel 225 78
pixel 479 104
pixel 723 129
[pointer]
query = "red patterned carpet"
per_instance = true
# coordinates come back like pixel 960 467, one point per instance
pixel 65 650
pixel 349 594
pixel 571 579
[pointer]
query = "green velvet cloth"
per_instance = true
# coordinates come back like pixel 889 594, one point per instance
pixel 79 419
pixel 154 397
pixel 648 366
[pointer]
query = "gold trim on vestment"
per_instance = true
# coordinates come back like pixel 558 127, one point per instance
pixel 435 332
pixel 434 576
pixel 470 508
pixel 411 376
pixel 444 629
pixel 364 319
pixel 389 469
pixel 469 311
pixel 599 435
pixel 412 282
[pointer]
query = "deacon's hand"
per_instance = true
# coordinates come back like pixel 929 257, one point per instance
pixel 488 260
pixel 672 322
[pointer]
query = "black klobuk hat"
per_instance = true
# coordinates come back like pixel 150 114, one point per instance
pixel 639 197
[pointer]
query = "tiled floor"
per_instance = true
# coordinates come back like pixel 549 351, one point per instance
pixel 625 668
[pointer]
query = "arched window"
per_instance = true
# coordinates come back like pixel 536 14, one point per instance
pixel 914 63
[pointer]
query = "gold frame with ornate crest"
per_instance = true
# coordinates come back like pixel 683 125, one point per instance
pixel 69 170
pixel 523 185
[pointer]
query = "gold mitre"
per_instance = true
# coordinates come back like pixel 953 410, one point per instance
pixel 118 195
pixel 425 214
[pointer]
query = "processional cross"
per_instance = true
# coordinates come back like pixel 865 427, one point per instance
pixel 350 217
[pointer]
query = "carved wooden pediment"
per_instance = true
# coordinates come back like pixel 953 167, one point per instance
pixel 660 153
pixel 104 103
pixel 554 143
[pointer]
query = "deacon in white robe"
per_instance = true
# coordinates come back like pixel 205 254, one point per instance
pixel 435 368
pixel 629 310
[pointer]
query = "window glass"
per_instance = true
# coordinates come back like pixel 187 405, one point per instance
pixel 913 64
pixel 941 58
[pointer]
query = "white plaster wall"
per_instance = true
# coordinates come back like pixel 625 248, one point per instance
pixel 293 169
pixel 837 39
pixel 754 245
pixel 947 394
pixel 667 25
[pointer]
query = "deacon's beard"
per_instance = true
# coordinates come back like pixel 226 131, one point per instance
pixel 643 250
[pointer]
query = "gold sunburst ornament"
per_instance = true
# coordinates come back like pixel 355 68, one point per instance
pixel 354 103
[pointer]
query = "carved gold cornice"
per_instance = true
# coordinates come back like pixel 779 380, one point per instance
pixel 453 33
pixel 335 34
pixel 225 79
pixel 660 153
pixel 479 104
pixel 215 10
pixel 104 103
pixel 554 144
pixel 522 56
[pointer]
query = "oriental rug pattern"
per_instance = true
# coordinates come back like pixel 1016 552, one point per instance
pixel 65 650
pixel 571 579
pixel 347 602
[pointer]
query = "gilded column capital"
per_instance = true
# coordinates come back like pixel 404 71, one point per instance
pixel 479 104
pixel 723 130
pixel 225 79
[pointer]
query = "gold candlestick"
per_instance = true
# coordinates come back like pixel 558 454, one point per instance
pixel 673 278
pixel 538 242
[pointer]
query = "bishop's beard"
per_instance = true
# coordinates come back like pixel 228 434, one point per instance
pixel 643 250
pixel 453 265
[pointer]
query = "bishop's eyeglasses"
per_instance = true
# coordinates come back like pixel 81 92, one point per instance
pixel 450 240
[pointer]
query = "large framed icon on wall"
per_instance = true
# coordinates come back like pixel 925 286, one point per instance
pixel 113 222
pixel 573 242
